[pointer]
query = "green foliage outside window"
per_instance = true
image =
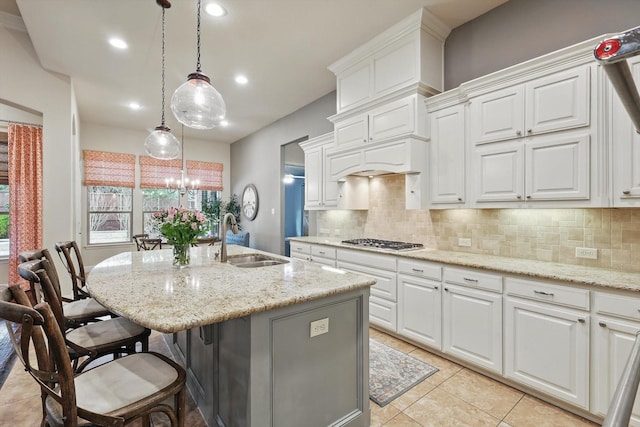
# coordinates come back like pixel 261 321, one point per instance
pixel 4 226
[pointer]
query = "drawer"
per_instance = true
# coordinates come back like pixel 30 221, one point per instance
pixel 617 305
pixel 386 281
pixel 323 251
pixel 428 270
pixel 383 313
pixel 547 292
pixel 303 248
pixel 385 262
pixel 473 279
pixel 324 261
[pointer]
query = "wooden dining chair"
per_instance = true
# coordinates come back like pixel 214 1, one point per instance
pixel 149 244
pixel 137 240
pixel 210 241
pixel 77 312
pixel 112 394
pixel 71 258
pixel 115 336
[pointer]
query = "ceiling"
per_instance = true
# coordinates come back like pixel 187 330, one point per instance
pixel 282 46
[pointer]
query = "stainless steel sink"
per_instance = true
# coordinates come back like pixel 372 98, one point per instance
pixel 254 260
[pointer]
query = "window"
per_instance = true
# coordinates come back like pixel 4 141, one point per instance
pixel 154 200
pixel 110 212
pixel 109 179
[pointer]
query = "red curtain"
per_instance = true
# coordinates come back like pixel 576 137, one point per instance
pixel 25 194
pixel 209 174
pixel 154 172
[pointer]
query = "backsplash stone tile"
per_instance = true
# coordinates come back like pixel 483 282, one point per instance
pixel 537 234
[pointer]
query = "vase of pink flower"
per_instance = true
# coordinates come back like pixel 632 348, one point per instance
pixel 180 227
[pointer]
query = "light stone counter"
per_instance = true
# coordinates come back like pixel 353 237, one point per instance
pixel 145 288
pixel 536 269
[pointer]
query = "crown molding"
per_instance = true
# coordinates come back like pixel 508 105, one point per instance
pixel 12 22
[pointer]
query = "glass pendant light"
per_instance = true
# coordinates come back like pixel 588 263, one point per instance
pixel 161 144
pixel 196 103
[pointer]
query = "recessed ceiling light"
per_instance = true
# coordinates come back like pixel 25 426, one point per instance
pixel 134 105
pixel 224 123
pixel 242 80
pixel 214 9
pixel 118 43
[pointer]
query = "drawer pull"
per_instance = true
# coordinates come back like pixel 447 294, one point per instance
pixel 446 289
pixel 467 279
pixel 602 324
pixel 322 252
pixel 581 320
pixel 435 288
pixel 417 270
pixel 546 294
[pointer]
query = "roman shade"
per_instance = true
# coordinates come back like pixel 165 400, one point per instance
pixel 155 172
pixel 209 174
pixel 109 169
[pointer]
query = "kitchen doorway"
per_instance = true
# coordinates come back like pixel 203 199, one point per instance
pixel 295 220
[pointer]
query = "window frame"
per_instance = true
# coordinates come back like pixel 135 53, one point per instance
pixel 111 212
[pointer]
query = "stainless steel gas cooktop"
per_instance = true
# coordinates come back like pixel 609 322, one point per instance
pixel 384 244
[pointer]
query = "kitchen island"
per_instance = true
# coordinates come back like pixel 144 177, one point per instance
pixel 280 345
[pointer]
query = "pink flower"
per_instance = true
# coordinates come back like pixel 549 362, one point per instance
pixel 194 226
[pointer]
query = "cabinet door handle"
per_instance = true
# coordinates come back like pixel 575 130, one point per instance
pixel 581 320
pixel 435 287
pixel 518 132
pixel 467 279
pixel 446 289
pixel 417 270
pixel 626 192
pixel 364 140
pixel 602 324
pixel 518 197
pixel 459 199
pixel 547 294
pixel 529 131
pixel 528 197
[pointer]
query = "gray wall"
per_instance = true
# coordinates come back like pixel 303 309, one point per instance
pixel 524 29
pixel 257 160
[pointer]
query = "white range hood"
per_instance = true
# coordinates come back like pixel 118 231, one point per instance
pixel 403 155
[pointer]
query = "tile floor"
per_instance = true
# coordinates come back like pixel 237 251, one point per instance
pixel 454 396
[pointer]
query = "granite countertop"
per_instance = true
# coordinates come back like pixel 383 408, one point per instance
pixel 600 277
pixel 145 288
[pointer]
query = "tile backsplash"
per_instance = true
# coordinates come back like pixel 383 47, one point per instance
pixel 537 234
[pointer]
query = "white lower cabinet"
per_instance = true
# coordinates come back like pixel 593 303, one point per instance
pixel 546 342
pixel 320 254
pixel 324 255
pixel 299 250
pixel 472 325
pixel 383 300
pixel 420 302
pixel 615 325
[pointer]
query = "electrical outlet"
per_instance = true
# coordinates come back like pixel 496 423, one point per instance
pixel 589 253
pixel 462 241
pixel 319 327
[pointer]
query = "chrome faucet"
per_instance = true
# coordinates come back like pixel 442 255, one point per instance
pixel 234 229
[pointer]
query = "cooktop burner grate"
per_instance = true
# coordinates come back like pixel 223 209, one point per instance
pixel 383 244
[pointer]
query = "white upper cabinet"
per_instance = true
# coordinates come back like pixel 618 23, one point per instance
pixel 626 149
pixel 497 116
pixel 447 159
pixel 406 56
pixel 390 120
pixel 320 191
pixel 555 102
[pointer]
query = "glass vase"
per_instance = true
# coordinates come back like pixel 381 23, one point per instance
pixel 181 254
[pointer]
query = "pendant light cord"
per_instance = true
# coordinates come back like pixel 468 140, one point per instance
pixel 198 39
pixel 163 9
